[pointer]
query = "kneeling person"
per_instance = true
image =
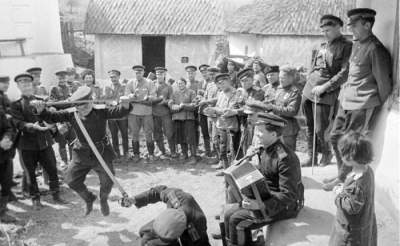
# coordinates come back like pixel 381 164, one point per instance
pixel 281 169
pixel 183 220
pixel 83 159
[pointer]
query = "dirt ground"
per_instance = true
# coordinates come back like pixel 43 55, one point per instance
pixel 65 225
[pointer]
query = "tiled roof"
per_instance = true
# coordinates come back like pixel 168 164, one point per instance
pixel 286 17
pixel 155 17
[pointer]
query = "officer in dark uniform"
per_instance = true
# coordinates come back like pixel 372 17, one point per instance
pixel 35 142
pixel 7 135
pixel 39 90
pixel 328 72
pixel 94 119
pixel 368 86
pixel 281 169
pixel 183 220
pixel 64 135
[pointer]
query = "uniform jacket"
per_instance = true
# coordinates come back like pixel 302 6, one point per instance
pixel 195 85
pixel 370 76
pixel 355 223
pixel 143 89
pixel 95 123
pixel 270 92
pixel 114 92
pixel 330 65
pixel 178 199
pixel 231 100
pixel 30 139
pixel 164 90
pixel 281 168
pixel 287 104
pixel 187 97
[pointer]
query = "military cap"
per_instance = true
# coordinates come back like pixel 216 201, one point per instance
pixel 170 224
pixel 160 69
pixel 23 75
pixel 213 69
pixel 140 67
pixel 273 69
pixel 222 76
pixel 4 79
pixel 247 72
pixel 270 119
pixel 360 13
pixel 203 67
pixel 330 20
pixel 34 69
pixel 114 71
pixel 82 93
pixel 61 73
pixel 191 67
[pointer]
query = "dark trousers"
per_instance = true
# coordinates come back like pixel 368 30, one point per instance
pixel 85 161
pixel 163 125
pixel 203 121
pixel 325 115
pixel 46 158
pixel 6 176
pixel 116 126
pixel 363 121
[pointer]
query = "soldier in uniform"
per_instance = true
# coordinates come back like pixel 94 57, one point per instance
pixel 183 220
pixel 162 118
pixel 114 92
pixel 94 120
pixel 329 71
pixel 286 104
pixel 35 143
pixel 64 135
pixel 251 94
pixel 7 136
pixel 368 85
pixel 39 90
pixel 208 123
pixel 227 123
pixel 196 86
pixel 203 121
pixel 281 169
pixel 273 84
pixel 143 91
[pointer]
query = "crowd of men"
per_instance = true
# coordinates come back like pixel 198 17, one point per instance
pixel 236 113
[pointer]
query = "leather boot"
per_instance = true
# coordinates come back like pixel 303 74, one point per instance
pixel 89 199
pixel 172 148
pixel 4 216
pixel 184 148
pixel 161 147
pixel 193 157
pixel 308 161
pixel 36 204
pixel 136 151
pixel 105 209
pixel 207 148
pixel 58 199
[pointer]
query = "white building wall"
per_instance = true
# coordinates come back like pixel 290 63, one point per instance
pixel 198 48
pixel 119 52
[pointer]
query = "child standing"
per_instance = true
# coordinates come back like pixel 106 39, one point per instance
pixel 355 222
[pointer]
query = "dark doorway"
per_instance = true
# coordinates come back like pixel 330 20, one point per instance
pixel 153 52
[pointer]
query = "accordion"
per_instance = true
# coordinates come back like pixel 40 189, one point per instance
pixel 246 180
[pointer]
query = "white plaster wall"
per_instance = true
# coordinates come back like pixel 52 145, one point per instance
pixel 37 21
pixel 117 52
pixel 11 66
pixel 199 49
pixel 387 171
